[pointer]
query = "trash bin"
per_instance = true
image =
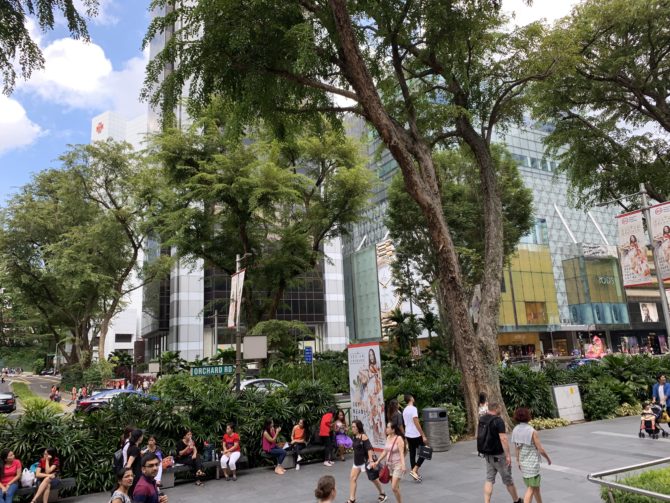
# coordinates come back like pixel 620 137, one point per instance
pixel 436 428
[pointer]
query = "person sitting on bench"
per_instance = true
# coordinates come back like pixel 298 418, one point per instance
pixel 270 434
pixel 187 454
pixel 47 473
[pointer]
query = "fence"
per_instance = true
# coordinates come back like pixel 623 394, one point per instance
pixel 598 478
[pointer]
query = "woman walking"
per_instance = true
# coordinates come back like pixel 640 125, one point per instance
pixel 124 479
pixel 394 416
pixel 528 451
pixel 325 491
pixel 394 452
pixel 363 453
pixel 134 456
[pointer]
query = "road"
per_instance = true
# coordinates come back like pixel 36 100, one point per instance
pixel 40 385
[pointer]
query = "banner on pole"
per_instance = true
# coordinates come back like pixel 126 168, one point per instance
pixel 236 287
pixel 632 247
pixel 367 392
pixel 660 230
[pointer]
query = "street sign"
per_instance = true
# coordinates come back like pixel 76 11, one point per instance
pixel 308 354
pixel 213 370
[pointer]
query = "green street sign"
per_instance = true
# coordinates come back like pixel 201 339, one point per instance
pixel 213 370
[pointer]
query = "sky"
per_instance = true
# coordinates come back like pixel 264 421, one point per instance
pixel 81 80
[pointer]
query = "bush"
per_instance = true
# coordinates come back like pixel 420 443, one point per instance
pixel 543 423
pixel 458 420
pixel 628 410
pixel 72 375
pixel 598 401
pixel 38 365
pixel 98 373
pixel 523 387
pixel 654 480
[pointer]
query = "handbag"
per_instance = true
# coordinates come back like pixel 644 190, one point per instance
pixel 385 474
pixel 372 473
pixel 425 452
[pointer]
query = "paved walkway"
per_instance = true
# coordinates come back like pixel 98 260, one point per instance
pixel 456 475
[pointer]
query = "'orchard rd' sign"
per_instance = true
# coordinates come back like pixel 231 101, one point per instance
pixel 213 370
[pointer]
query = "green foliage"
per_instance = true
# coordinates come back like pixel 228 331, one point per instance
pixel 458 420
pixel 403 330
pixel 598 400
pixel 607 91
pixel 543 423
pixel 72 375
pixel 98 373
pixel 523 387
pixel 628 410
pixel 172 363
pixel 653 480
pixel 283 336
pixel 38 365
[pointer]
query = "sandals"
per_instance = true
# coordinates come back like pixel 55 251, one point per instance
pixel 382 498
pixel 350 501
pixel 199 483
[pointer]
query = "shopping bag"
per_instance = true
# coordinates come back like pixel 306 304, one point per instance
pixel 425 452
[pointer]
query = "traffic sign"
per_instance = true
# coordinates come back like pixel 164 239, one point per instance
pixel 213 370
pixel 308 354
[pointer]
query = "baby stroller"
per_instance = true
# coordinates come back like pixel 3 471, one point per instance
pixel 649 422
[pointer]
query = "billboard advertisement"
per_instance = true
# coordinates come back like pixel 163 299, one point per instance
pixel 632 245
pixel 367 392
pixel 660 230
pixel 648 312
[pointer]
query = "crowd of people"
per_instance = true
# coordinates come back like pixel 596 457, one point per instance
pixel 44 475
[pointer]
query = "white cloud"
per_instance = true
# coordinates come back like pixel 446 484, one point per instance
pixel 550 10
pixel 104 17
pixel 77 74
pixel 16 129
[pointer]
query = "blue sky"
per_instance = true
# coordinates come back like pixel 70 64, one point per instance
pixel 54 108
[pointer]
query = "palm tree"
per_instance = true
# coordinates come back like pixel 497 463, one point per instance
pixel 172 363
pixel 431 324
pixel 120 359
pixel 404 329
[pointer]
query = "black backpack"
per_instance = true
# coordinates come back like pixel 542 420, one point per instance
pixel 117 462
pixel 488 442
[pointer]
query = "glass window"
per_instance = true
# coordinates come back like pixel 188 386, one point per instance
pixel 536 313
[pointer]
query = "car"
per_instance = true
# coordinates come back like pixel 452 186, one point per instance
pixel 7 402
pixel 262 384
pixel 103 398
pixel 580 362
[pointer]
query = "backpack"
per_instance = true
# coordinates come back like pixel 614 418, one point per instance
pixel 118 462
pixel 487 441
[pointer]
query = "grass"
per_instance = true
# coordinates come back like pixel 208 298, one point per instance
pixel 654 480
pixel 27 396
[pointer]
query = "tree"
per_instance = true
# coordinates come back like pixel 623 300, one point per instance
pixel 283 336
pixel 274 201
pixel 70 241
pixel 421 73
pixel 609 98
pixel 16 45
pixel 172 363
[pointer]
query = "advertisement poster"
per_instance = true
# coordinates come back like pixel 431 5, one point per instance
pixel 236 287
pixel 367 393
pixel 660 230
pixel 632 247
pixel 649 312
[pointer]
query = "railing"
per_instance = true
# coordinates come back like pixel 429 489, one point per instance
pixel 598 478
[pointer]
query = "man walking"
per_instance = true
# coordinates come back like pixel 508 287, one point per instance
pixel 146 491
pixel 414 435
pixel 493 445
pixel 660 391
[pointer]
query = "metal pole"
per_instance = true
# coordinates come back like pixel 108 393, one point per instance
pixel 661 286
pixel 313 379
pixel 238 334
pixel 215 336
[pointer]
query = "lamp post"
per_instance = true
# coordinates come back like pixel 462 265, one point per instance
pixel 238 332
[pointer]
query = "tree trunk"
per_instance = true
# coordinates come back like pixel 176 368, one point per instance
pixel 104 328
pixel 476 351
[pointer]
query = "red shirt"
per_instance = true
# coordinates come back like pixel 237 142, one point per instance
pixel 326 421
pixel 10 472
pixel 230 440
pixel 54 462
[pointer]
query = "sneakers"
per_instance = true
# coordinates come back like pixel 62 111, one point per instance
pixel 299 459
pixel 328 463
pixel 297 467
pixel 382 498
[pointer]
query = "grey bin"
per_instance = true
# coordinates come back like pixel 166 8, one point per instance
pixel 436 428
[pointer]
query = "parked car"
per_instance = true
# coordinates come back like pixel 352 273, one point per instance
pixel 7 402
pixel 579 362
pixel 103 398
pixel 262 384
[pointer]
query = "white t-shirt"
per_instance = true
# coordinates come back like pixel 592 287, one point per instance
pixel 408 416
pixel 661 394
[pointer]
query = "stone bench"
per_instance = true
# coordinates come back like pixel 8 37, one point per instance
pixel 168 479
pixel 24 492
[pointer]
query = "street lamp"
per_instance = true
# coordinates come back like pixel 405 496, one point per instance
pixel 238 332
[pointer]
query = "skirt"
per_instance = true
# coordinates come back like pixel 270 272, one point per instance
pixel 342 440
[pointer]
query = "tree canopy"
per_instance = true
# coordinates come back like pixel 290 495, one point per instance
pixel 609 98
pixel 274 200
pixel 17 48
pixel 423 74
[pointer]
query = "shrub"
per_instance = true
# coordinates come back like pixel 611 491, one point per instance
pixel 523 387
pixel 543 423
pixel 626 409
pixel 72 375
pixel 598 401
pixel 654 480
pixel 458 420
pixel 38 365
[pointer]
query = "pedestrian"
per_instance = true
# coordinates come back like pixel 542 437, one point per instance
pixel 269 443
pixel 74 395
pixel 152 446
pixel 325 491
pixel 415 436
pixel 394 452
pixel 394 415
pixel 124 480
pixel 10 474
pixel 230 452
pixel 187 454
pixel 298 441
pixel 326 434
pixel 483 405
pixel 493 445
pixel 145 489
pixel 363 455
pixel 528 452
pixel 661 391
pixel 134 455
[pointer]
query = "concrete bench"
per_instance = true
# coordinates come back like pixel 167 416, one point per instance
pixel 24 492
pixel 168 479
